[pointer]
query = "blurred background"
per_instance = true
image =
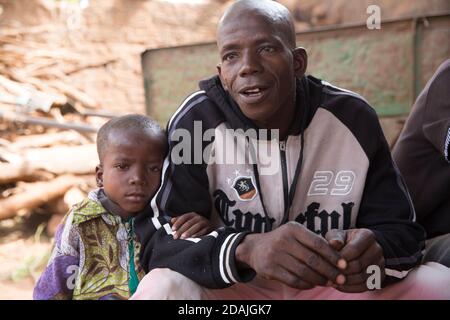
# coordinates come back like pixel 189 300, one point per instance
pixel 67 66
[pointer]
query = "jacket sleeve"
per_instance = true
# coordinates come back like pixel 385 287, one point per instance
pixel 387 210
pixel 208 260
pixel 436 120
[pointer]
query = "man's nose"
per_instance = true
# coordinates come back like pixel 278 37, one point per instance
pixel 251 64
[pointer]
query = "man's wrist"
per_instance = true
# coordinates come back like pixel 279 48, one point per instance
pixel 242 253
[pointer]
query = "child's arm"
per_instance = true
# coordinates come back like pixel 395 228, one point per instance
pixel 58 279
pixel 190 225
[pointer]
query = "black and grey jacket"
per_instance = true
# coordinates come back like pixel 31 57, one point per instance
pixel 334 170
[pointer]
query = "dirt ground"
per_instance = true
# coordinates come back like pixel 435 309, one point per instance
pixel 24 250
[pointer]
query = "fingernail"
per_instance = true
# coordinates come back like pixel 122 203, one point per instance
pixel 342 264
pixel 175 235
pixel 340 279
pixel 183 236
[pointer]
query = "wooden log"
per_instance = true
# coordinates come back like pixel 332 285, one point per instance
pixel 36 194
pixel 20 118
pixel 98 64
pixel 18 88
pixel 75 94
pixel 56 160
pixel 47 140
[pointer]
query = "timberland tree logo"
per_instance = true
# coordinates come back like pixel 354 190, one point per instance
pixel 245 188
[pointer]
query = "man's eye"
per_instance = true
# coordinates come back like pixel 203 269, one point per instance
pixel 121 166
pixel 268 49
pixel 229 56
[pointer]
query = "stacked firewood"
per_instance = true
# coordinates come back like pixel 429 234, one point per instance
pixel 47 127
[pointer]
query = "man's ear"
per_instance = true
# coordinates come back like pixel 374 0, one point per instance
pixel 99 175
pixel 219 71
pixel 300 61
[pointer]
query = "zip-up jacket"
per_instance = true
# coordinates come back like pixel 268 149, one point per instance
pixel 334 170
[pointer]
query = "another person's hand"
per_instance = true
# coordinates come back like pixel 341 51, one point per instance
pixel 360 249
pixel 293 255
pixel 190 225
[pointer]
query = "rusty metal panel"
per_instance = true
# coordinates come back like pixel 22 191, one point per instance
pixel 385 66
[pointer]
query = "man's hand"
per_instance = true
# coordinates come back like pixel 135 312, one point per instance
pixel 360 249
pixel 189 225
pixel 293 255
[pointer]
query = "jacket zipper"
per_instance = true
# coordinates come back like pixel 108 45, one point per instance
pixel 285 179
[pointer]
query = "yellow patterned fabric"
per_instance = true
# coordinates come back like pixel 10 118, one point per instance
pixel 94 242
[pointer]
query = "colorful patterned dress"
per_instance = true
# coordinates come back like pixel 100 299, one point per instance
pixel 91 256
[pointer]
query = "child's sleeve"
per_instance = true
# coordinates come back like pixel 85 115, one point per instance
pixel 58 279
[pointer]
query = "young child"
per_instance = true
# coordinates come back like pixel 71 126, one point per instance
pixel 96 253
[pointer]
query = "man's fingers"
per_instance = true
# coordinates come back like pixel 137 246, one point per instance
pixel 358 241
pixel 315 261
pixel 371 256
pixel 316 244
pixel 302 271
pixel 352 288
pixel 356 279
pixel 336 238
pixel 285 276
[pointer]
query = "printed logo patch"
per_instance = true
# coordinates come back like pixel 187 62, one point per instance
pixel 245 188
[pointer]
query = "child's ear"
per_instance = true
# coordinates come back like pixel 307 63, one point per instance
pixel 219 71
pixel 300 61
pixel 99 175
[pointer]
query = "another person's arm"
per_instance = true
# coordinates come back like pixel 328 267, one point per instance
pixel 190 225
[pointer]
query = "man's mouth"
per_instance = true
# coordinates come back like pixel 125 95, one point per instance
pixel 253 94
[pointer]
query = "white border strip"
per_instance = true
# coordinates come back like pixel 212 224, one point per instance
pixel 221 258
pixel 227 259
pixel 396 273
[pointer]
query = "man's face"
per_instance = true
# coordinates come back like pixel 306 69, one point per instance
pixel 257 66
pixel 131 168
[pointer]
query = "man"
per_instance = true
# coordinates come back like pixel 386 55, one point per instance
pixel 322 207
pixel 422 155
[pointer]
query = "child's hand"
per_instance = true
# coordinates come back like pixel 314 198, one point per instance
pixel 190 225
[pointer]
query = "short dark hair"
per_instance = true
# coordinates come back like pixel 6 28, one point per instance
pixel 128 122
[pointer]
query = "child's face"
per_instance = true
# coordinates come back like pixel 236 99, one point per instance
pixel 130 170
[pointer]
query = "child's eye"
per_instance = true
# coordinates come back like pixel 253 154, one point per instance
pixel 121 166
pixel 155 169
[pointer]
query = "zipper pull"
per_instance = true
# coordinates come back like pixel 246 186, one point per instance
pixel 283 145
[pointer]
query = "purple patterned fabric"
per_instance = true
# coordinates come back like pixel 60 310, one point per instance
pixel 54 283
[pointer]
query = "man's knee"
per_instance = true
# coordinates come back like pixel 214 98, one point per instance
pixel 431 281
pixel 165 284
pixel 438 250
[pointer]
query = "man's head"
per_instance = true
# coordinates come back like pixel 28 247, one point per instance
pixel 131 151
pixel 259 60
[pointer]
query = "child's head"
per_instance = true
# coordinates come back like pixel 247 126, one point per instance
pixel 131 150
